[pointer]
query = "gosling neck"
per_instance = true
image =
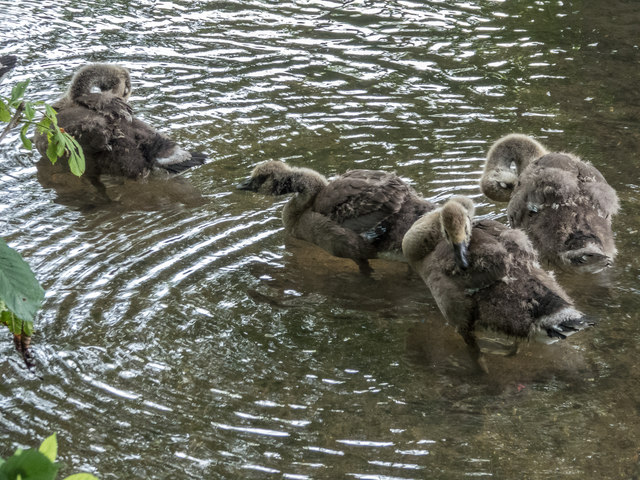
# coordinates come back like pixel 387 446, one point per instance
pixel 421 239
pixel 306 184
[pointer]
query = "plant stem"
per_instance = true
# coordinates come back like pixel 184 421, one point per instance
pixel 14 120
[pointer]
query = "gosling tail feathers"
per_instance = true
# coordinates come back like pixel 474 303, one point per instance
pixel 195 159
pixel 564 323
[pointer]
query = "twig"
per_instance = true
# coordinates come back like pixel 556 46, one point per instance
pixel 14 120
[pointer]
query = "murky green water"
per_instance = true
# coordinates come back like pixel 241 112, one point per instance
pixel 184 336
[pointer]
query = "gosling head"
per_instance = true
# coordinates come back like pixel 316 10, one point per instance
pixel 455 220
pixel 104 77
pixel 498 183
pixel 270 178
pixel 506 159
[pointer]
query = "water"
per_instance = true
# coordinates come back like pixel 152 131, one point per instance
pixel 183 335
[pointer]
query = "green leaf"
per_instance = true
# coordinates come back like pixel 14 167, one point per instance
pixel 60 143
pixel 43 125
pixel 13 323
pixel 52 151
pixel 76 155
pixel 27 327
pixel 29 111
pixel 30 465
pixel 19 288
pixel 81 476
pixel 49 447
pixel 52 114
pixel 17 91
pixel 76 165
pixel 23 136
pixel 5 317
pixel 5 113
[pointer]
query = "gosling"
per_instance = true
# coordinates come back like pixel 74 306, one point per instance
pixel 95 112
pixel 361 215
pixel 563 203
pixel 486 275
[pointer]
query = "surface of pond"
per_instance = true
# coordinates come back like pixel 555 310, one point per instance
pixel 183 335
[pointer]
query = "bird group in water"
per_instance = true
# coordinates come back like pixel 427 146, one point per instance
pixel 481 273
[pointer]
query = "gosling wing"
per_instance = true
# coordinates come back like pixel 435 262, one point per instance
pixel 361 200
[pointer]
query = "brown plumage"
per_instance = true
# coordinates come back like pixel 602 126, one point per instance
pixel 563 203
pixel 359 215
pixel 113 140
pixel 486 275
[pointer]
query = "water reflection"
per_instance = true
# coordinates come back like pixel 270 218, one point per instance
pixel 157 192
pixel 195 339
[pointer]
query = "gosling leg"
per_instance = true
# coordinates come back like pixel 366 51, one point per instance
pixel 364 266
pixel 514 348
pixel 102 190
pixel 474 350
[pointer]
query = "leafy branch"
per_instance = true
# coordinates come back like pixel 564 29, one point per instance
pixel 15 110
pixel 20 298
pixel 38 464
pixel 20 292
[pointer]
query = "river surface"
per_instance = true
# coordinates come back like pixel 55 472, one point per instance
pixel 183 335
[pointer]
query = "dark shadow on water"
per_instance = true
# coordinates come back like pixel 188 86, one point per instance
pixel 156 192
pixel 309 274
pixel 436 346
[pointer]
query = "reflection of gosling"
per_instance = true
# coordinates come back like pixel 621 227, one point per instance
pixel 94 111
pixel 487 275
pixel 359 215
pixel 564 204
pixel 7 62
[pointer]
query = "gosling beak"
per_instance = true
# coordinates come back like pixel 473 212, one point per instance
pixel 460 252
pixel 246 185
